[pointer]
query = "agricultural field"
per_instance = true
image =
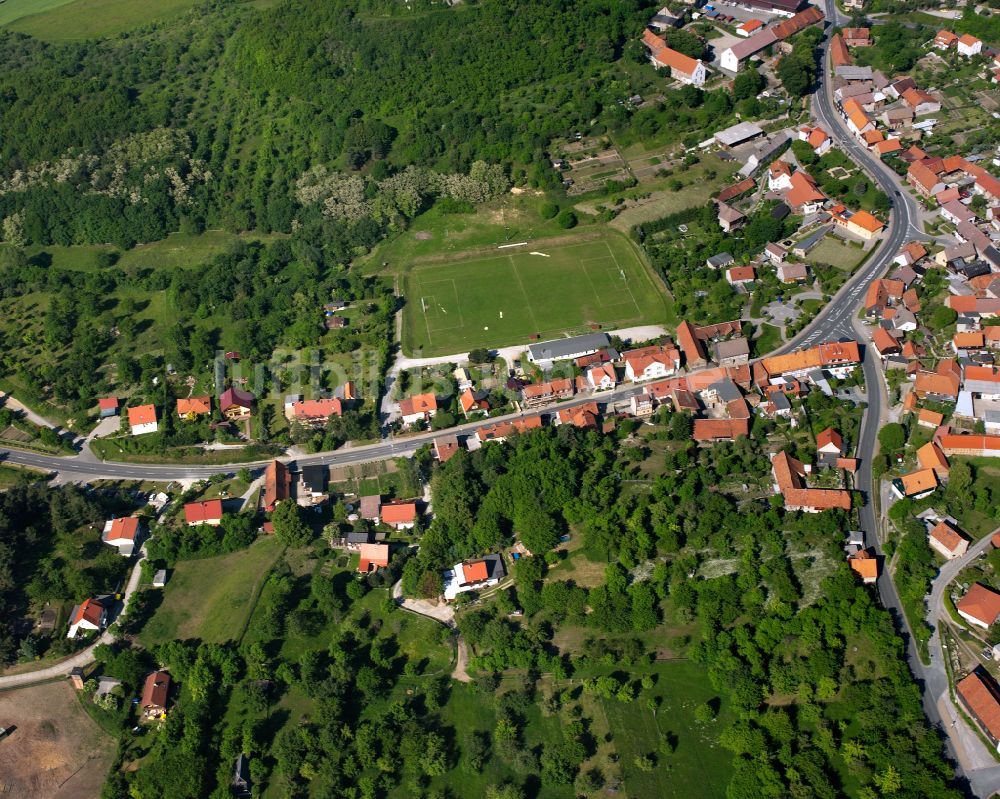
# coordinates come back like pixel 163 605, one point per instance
pixel 56 750
pixel 544 290
pixel 72 20
pixel 212 598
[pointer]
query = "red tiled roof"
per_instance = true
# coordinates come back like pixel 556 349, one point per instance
pixel 235 398
pixel 376 555
pixel 277 484
pixel 475 572
pixel 884 342
pixel 194 405
pixel 200 512
pixel 399 512
pixel 981 695
pixel 930 456
pixel 947 536
pixel 981 603
pixel 317 409
pixel 719 429
pixel 124 528
pixel 934 383
pixel 107 403
pixel 155 691
pixel 829 436
pixel 421 403
pixel 141 414
pixel 90 610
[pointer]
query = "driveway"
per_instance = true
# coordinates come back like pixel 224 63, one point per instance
pixel 439 611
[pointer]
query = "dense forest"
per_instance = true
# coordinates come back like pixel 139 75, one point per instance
pixel 156 140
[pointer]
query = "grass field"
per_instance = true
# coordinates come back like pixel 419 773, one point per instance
pixel 59 20
pixel 212 598
pixel 502 298
pixel 836 252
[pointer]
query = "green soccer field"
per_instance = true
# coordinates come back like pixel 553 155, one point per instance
pixel 502 299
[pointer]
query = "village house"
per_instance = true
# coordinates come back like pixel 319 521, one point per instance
pixel 969 46
pixel 921 102
pixel 122 533
pixel 793 273
pixel 142 419
pixel 471 401
pixel 829 447
pixel 193 407
pixel 980 606
pixel 837 357
pixel 915 485
pixel 502 430
pixel 978 446
pixel 884 343
pixel 651 363
pixel 472 575
pixel 749 27
pixel 89 615
pixel 732 352
pixel 206 512
pixel 236 404
pixel 930 456
pixel 373 557
pixel 682 68
pixel 740 276
pixel 399 514
pixel 155 696
pixel 804 196
pixel 695 355
pixel 857 37
pixel 419 408
pixel 445 447
pixel 775 253
pixel 858 223
pixel 980 696
pixel 729 218
pixel 536 394
pixel 719 260
pixel 277 485
pixel 936 387
pixel 790 481
pixel 369 507
pixel 947 541
pixel 601 377
pixel 313 413
pixel 945 40
pixel 864 565
pixel 642 405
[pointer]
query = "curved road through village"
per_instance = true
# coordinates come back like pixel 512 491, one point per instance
pixel 836 322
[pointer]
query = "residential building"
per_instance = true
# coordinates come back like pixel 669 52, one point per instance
pixel 858 223
pixel 651 363
pixel 502 430
pixel 310 486
pixel 682 68
pixel 829 446
pixel 982 446
pixel 732 352
pixel 740 275
pixel 369 507
pixel 277 485
pixel 915 485
pixel 789 481
pixel 857 37
pixel 193 407
pixel 968 45
pixel 642 404
pixel 929 418
pixel 980 696
pixel 884 343
pixel 729 218
pixel 793 273
pixel 142 419
pixel 749 27
pixel 980 606
pixel 602 377
pixel 779 176
pixel 694 350
pixel 236 404
pixel 945 40
pixel 775 253
pixel 473 575
pixel 155 695
pixel 921 102
pixel 536 394
pixel 839 358
pixel 930 456
pixel 314 412
pixel 122 533
pixel 719 260
pixel 419 408
pixel 471 401
pixel 89 615
pixel 445 447
pixel 804 197
pixel 921 178
pixel 373 557
pixel 206 512
pixel 947 541
pixel 936 387
pixel 399 514
pixel 865 565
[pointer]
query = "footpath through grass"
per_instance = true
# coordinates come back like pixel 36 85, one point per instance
pixel 497 298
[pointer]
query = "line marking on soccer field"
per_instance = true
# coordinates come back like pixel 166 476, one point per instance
pixel 628 287
pixel 527 302
pixel 544 255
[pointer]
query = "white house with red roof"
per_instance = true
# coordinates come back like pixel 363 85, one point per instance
pixel 142 419
pixel 472 575
pixel 401 515
pixel 91 614
pixel 122 533
pixel 602 377
pixel 651 363
pixel 207 512
pixel 968 45
pixel 682 67
pixel 980 606
pixel 817 138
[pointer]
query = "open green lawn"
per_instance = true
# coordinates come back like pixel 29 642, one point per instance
pixel 501 298
pixel 699 766
pixel 212 598
pixel 768 340
pixel 59 20
pixel 836 252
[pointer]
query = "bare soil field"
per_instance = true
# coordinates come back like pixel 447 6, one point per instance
pixel 56 750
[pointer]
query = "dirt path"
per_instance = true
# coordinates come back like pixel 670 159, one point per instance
pixel 460 672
